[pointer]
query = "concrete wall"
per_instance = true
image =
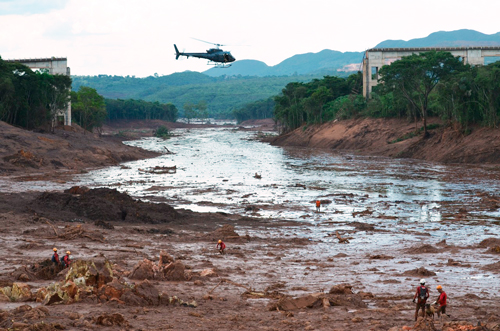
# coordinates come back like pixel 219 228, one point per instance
pixel 56 66
pixel 377 57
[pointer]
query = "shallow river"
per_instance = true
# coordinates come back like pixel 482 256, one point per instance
pixel 216 171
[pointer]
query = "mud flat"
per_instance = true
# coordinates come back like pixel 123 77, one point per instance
pixel 150 267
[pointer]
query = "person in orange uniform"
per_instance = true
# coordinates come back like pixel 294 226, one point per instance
pixel 422 294
pixel 66 259
pixel 318 205
pixel 55 257
pixel 441 300
pixel 221 246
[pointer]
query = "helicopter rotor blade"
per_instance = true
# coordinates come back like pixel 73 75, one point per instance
pixel 208 42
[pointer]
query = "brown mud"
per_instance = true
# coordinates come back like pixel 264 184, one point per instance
pixel 145 266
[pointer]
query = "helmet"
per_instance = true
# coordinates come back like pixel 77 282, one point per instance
pixel 54 249
pixel 220 241
pixel 439 287
pixel 422 281
pixel 68 252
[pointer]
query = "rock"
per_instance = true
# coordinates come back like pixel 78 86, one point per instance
pixel 424 325
pixel 112 290
pixel 111 320
pixel 175 271
pixel 165 259
pixel 341 289
pixel 73 316
pixel 131 299
pixel 145 269
pixel 148 292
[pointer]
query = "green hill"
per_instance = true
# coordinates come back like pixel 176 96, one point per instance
pixel 222 94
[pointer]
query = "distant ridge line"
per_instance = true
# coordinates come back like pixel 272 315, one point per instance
pixel 433 48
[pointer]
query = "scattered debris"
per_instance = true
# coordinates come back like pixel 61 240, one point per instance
pixel 160 170
pixel 342 240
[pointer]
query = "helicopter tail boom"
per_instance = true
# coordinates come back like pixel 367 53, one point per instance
pixel 177 53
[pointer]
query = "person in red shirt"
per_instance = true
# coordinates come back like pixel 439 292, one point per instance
pixel 221 246
pixel 55 257
pixel 318 205
pixel 441 300
pixel 422 294
pixel 66 259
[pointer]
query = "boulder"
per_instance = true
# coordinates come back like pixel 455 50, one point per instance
pixel 143 270
pixel 148 292
pixel 175 271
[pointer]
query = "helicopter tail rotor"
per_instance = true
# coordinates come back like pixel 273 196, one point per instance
pixel 177 54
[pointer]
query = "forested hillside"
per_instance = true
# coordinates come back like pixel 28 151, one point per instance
pixel 416 87
pixel 221 94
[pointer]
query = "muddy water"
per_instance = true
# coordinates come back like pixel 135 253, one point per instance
pixel 409 203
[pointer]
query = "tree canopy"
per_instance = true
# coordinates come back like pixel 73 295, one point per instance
pixel 31 99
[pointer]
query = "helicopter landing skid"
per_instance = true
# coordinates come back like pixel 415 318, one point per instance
pixel 218 65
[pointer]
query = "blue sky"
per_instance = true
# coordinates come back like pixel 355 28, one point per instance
pixel 132 37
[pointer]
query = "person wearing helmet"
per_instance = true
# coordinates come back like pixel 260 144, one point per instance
pixel 55 257
pixel 318 205
pixel 66 261
pixel 221 246
pixel 441 300
pixel 422 294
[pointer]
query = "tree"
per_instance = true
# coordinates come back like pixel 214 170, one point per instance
pixel 189 111
pixel 202 110
pixel 416 76
pixel 88 108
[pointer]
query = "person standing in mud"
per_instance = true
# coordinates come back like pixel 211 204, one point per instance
pixel 66 261
pixel 441 300
pixel 221 246
pixel 55 258
pixel 318 205
pixel 422 294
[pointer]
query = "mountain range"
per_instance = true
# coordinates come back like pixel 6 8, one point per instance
pixel 330 62
pixel 249 80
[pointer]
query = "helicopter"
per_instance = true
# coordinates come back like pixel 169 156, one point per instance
pixel 215 56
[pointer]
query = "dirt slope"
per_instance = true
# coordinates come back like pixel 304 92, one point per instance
pixel 71 149
pixel 378 136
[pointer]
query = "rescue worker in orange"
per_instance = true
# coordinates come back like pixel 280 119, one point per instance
pixel 318 205
pixel 221 246
pixel 55 258
pixel 441 300
pixel 422 294
pixel 66 259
